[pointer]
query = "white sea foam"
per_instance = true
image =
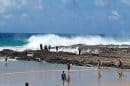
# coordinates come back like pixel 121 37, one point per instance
pixel 56 40
pixel 2 59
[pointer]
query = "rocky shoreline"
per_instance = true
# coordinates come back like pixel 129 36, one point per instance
pixel 109 55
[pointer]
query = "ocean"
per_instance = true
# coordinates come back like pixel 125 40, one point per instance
pixel 23 41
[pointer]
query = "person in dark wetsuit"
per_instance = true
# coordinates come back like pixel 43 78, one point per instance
pixel 63 77
pixel 68 66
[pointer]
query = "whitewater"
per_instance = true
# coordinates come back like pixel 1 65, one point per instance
pixel 33 42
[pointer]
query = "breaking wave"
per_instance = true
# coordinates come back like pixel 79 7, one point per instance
pixel 34 41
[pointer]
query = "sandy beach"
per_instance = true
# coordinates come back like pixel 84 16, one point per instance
pixel 16 73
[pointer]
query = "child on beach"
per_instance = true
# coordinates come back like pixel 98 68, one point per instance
pixel 63 77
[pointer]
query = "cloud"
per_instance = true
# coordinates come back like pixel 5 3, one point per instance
pixel 100 3
pixel 14 5
pixel 114 15
pixel 4 5
pixel 127 2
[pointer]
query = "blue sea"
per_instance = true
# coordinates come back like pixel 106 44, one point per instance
pixel 33 40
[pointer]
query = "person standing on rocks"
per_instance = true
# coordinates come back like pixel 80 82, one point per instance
pixel 41 47
pixel 45 48
pixel 79 49
pixel 57 48
pixel 49 48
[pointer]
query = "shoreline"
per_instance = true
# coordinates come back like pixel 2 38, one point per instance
pixel 109 56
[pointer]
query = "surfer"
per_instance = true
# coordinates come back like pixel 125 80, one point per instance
pixel 63 77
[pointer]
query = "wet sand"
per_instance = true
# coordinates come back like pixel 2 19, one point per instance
pixel 16 73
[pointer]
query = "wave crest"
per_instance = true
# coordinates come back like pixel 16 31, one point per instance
pixel 56 40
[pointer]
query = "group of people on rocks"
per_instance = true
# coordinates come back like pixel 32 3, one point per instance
pixel 48 48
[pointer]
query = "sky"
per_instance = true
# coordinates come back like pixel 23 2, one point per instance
pixel 65 16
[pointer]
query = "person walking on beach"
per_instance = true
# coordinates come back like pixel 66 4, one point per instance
pixel 120 64
pixel 63 77
pixel 68 66
pixel 120 70
pixel 99 64
pixel 68 79
pixel 6 59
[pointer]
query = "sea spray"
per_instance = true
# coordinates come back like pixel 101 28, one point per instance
pixel 34 40
pixel 56 40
